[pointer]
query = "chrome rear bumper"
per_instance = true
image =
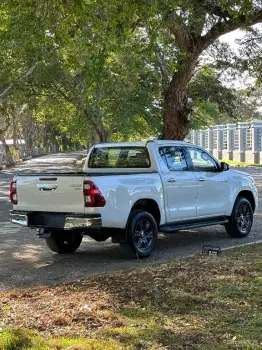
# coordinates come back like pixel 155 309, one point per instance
pixel 65 221
pixel 72 222
pixel 20 219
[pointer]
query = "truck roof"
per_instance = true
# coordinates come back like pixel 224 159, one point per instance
pixel 141 143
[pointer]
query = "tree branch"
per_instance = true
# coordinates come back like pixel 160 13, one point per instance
pixel 5 92
pixel 162 66
pixel 178 29
pixel 180 36
pixel 9 88
pixel 64 95
pixel 7 124
pixel 224 26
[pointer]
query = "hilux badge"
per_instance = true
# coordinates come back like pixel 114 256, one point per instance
pixel 76 187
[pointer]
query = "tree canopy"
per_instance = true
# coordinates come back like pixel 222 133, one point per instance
pixel 86 70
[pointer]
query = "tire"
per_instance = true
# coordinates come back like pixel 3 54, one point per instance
pixel 142 233
pixel 241 220
pixel 63 243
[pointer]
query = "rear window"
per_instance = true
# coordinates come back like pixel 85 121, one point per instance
pixel 119 157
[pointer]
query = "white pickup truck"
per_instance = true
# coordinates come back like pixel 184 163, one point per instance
pixel 132 191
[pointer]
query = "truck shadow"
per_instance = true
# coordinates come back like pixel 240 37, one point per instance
pixel 30 263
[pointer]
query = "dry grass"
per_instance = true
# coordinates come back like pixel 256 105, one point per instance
pixel 196 303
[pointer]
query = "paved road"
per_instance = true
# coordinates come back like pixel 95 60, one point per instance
pixel 26 261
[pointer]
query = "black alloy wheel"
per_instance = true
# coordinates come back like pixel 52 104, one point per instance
pixel 241 220
pixel 142 233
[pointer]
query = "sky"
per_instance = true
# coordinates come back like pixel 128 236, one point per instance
pixel 230 39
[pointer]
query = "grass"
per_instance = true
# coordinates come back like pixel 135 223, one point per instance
pixel 19 339
pixel 204 302
pixel 240 164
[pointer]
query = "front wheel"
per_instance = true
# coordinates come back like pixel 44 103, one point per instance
pixel 241 219
pixel 63 243
pixel 142 233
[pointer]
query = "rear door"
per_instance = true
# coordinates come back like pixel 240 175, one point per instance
pixel 180 184
pixel 213 184
pixel 51 193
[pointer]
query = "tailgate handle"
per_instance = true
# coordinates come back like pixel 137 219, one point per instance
pixel 47 187
pixel 47 178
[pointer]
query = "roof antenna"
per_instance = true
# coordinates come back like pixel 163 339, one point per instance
pixel 160 136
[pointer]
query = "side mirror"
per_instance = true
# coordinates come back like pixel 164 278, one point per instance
pixel 224 166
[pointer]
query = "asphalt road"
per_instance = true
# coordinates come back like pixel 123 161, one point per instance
pixel 26 261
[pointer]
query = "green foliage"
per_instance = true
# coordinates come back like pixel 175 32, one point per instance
pixel 205 114
pixel 206 86
pixel 83 80
pixel 84 71
pixel 214 103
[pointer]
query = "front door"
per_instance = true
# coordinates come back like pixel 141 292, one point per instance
pixel 180 184
pixel 213 184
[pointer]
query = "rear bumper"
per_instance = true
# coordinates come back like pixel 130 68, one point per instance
pixel 19 218
pixel 65 221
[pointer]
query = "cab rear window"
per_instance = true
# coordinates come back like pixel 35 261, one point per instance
pixel 119 157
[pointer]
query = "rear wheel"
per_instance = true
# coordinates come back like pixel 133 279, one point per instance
pixel 241 219
pixel 63 243
pixel 142 233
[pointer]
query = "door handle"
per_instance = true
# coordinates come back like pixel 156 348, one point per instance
pixel 222 180
pixel 202 179
pixel 171 180
pixel 46 187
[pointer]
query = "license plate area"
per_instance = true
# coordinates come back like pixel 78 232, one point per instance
pixel 41 219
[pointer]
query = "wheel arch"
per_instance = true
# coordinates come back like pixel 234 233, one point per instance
pixel 149 205
pixel 249 196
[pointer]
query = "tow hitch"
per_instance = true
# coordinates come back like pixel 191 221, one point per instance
pixel 42 233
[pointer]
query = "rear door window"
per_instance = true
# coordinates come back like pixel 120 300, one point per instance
pixel 174 158
pixel 119 157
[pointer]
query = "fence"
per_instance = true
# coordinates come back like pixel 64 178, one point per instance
pixel 239 142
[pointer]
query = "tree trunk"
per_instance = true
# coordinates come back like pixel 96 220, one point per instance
pixel 102 134
pixel 14 124
pixel 9 158
pixel 176 111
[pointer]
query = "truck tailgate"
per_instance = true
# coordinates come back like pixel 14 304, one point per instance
pixel 50 193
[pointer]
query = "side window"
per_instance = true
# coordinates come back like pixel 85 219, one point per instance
pixel 174 158
pixel 201 160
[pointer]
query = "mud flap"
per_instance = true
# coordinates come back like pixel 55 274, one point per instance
pixel 120 237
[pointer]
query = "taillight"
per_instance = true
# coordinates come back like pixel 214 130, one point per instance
pixel 92 196
pixel 13 193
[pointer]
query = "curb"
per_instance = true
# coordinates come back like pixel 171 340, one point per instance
pixel 242 245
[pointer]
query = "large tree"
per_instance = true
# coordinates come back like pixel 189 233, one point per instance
pixel 191 26
pixel 99 56
pixel 74 55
